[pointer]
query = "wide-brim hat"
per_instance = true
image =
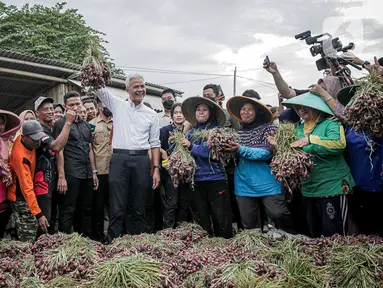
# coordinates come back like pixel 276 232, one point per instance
pixel 235 103
pixel 12 121
pixel 189 106
pixel 309 100
pixel 345 94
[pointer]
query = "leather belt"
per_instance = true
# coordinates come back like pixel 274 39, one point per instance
pixel 131 152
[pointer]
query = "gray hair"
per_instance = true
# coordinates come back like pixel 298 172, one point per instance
pixel 132 76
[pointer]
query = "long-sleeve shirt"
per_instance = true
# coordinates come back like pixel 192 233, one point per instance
pixel 252 175
pixel 23 164
pixel 365 162
pixel 135 127
pixel 327 145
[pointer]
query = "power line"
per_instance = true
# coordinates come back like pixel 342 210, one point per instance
pixel 195 80
pixel 165 71
pixel 258 82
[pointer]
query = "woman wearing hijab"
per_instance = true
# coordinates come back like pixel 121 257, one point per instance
pixel 324 191
pixel 9 125
pixel 210 200
pixel 24 117
pixel 254 183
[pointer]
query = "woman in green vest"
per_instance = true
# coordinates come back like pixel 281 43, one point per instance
pixel 324 191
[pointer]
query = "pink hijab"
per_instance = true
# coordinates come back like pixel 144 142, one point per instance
pixel 12 125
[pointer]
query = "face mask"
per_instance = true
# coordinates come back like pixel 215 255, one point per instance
pixel 107 112
pixel 168 104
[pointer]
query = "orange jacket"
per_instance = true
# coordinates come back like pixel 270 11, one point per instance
pixel 23 164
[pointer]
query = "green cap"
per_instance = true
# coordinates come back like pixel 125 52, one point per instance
pixel 309 100
pixel 345 94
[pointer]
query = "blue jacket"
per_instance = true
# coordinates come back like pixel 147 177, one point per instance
pixel 366 177
pixel 207 169
pixel 252 177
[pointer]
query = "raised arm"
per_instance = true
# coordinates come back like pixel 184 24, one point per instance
pixel 281 84
pixel 110 101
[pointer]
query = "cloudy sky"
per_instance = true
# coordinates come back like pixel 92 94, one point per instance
pixel 193 43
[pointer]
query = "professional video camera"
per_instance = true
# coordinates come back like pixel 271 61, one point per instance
pixel 329 48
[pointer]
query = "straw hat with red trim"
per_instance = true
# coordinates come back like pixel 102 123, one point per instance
pixel 234 105
pixel 189 106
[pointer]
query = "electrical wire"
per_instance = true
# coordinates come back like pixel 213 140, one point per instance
pixel 196 80
pixel 165 71
pixel 264 84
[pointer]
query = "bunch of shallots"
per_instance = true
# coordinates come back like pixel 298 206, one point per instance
pixel 290 166
pixel 95 72
pixel 181 165
pixel 218 139
pixel 365 111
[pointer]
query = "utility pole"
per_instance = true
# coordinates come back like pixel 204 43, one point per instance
pixel 235 81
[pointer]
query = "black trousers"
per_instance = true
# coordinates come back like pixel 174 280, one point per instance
pixel 54 205
pixel 326 216
pixel 174 201
pixel 183 211
pixel 75 207
pixel 210 202
pixel 295 206
pixel 100 200
pixel 130 195
pixel 234 204
pixel 275 207
pixel 366 210
pixel 4 218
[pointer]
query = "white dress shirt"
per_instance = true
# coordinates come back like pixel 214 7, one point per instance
pixel 134 127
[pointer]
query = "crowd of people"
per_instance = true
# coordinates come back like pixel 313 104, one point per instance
pixel 72 167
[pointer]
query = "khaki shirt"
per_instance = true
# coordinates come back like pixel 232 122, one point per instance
pixel 101 148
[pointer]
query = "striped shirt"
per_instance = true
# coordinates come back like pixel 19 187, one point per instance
pixel 134 127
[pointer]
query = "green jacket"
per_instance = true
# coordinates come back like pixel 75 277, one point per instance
pixel 327 144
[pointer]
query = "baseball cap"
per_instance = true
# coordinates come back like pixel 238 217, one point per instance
pixel 33 129
pixel 42 100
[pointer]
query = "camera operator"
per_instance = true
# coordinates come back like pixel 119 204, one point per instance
pixel 331 84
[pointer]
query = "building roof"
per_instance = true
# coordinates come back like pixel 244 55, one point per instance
pixel 57 68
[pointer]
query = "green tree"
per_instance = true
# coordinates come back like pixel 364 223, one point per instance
pixel 51 32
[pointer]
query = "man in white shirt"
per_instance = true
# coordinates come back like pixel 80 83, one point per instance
pixel 135 132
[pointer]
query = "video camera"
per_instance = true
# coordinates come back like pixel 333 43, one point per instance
pixel 327 48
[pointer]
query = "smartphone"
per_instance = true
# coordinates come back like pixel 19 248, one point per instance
pixel 220 93
pixel 266 63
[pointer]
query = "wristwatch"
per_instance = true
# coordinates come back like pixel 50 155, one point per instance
pixel 365 63
pixel 158 167
pixel 95 171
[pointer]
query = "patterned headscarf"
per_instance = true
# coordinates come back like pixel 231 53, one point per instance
pixel 333 85
pixel 255 137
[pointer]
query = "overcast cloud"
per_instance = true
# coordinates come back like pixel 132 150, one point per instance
pixel 214 36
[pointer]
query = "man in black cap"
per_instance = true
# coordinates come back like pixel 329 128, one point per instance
pixel 21 193
pixel 44 184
